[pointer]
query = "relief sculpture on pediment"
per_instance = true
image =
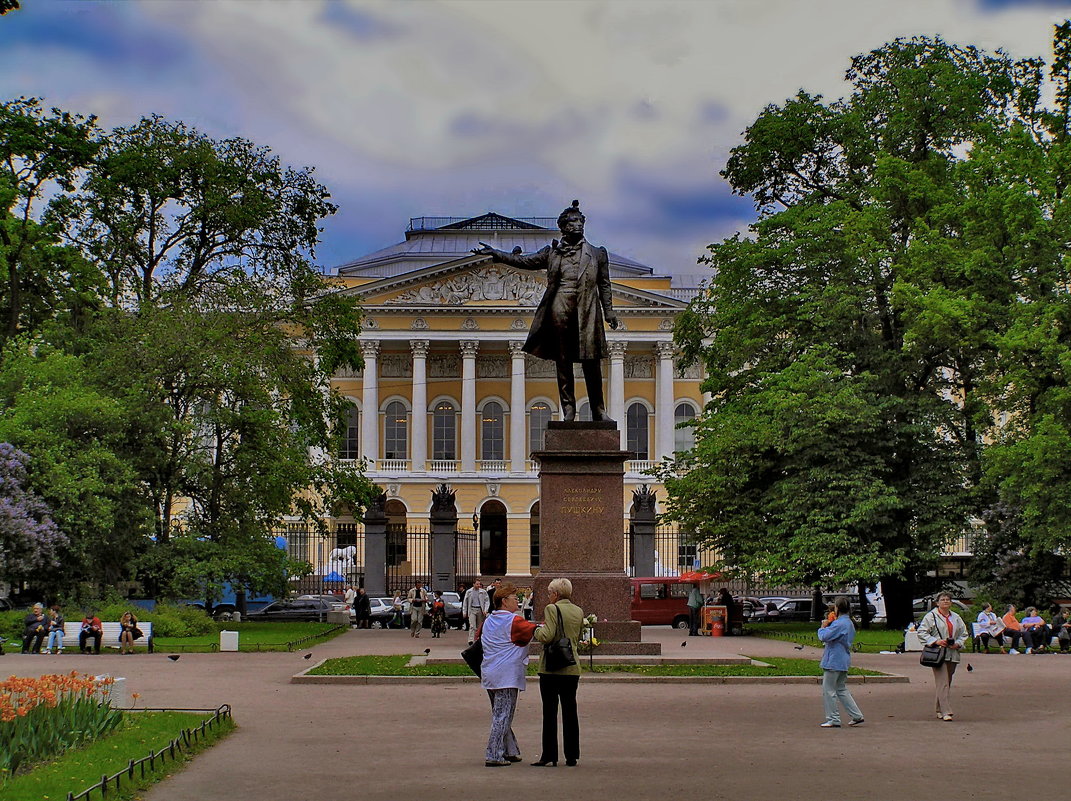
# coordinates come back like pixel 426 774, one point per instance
pixel 490 283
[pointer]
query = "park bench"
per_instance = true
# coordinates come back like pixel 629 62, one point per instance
pixel 109 635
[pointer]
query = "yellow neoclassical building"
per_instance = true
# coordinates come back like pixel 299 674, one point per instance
pixel 447 396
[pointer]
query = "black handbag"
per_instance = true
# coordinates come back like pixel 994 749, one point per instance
pixel 933 656
pixel 473 656
pixel 559 655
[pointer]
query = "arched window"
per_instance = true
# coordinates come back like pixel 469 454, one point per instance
pixel 492 442
pixel 350 447
pixel 396 431
pixel 636 432
pixel 683 438
pixel 444 432
pixel 584 412
pixel 538 417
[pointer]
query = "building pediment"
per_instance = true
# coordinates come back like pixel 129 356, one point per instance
pixel 477 282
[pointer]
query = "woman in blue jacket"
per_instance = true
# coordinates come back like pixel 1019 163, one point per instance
pixel 838 634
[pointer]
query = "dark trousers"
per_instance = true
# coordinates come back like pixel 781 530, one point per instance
pixel 1037 638
pixel 552 689
pixel 1014 636
pixel 85 636
pixel 693 621
pixel 31 643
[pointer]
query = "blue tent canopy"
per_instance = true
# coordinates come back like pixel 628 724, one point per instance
pixel 333 576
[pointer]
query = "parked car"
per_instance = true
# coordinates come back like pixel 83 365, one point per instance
pixel 755 610
pixel 298 609
pixel 382 611
pixel 800 608
pixel 218 610
pixel 337 604
pixel 660 600
pixel 920 606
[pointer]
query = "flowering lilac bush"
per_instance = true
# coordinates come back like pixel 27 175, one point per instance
pixel 29 540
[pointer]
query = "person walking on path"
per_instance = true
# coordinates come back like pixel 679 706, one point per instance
pixel 418 598
pixel 838 635
pixel 695 603
pixel 505 636
pixel 474 608
pixel 942 626
pixel 561 618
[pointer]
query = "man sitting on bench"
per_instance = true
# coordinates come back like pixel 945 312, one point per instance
pixel 92 629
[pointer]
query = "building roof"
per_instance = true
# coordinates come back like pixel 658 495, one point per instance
pixel 434 240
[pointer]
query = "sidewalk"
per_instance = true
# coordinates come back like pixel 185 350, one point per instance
pixel 748 742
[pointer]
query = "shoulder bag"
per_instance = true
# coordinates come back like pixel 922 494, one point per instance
pixel 473 656
pixel 933 655
pixel 558 655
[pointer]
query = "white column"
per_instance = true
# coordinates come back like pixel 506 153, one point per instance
pixel 468 406
pixel 664 400
pixel 617 386
pixel 518 407
pixel 370 402
pixel 420 403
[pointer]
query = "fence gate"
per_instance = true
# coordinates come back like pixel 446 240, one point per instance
pixel 467 556
pixel 408 557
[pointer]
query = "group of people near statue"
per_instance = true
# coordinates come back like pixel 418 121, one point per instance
pixel 40 623
pixel 505 636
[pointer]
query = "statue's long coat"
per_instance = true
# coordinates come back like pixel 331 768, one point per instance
pixel 593 301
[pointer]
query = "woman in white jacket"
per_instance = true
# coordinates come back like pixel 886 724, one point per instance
pixel 942 626
pixel 505 636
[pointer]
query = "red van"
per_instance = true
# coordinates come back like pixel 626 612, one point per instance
pixel 662 600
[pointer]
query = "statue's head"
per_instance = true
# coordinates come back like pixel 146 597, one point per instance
pixel 571 221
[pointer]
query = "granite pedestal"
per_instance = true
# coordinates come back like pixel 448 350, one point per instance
pixel 581 489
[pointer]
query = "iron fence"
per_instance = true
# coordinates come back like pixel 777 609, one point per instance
pixel 467 556
pixel 174 749
pixel 336 556
pixel 410 559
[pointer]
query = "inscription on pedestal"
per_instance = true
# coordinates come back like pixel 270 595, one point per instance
pixel 583 501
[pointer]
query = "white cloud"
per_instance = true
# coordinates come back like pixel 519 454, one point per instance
pixel 461 106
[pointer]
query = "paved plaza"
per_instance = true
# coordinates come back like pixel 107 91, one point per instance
pixel 644 741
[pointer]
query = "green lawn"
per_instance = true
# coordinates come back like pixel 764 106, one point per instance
pixel 866 640
pixel 252 637
pixel 140 732
pixel 397 666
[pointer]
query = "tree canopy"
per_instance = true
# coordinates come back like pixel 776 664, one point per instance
pixel 171 276
pixel 866 343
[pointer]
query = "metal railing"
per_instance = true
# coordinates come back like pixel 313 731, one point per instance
pixel 186 739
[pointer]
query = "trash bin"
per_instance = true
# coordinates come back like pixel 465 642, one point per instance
pixel 228 640
pixel 714 620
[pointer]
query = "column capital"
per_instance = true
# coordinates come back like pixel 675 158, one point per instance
pixel 420 347
pixel 617 349
pixel 665 350
pixel 516 348
pixel 370 348
pixel 469 347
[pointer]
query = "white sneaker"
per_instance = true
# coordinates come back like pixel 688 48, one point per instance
pixel 1012 651
pixel 1030 650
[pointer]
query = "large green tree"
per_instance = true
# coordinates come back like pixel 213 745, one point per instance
pixel 856 335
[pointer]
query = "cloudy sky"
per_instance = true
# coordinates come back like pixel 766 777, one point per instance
pixel 413 107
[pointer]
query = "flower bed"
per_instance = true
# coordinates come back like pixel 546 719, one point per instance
pixel 44 716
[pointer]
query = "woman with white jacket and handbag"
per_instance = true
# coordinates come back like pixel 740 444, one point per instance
pixel 942 626
pixel 505 636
